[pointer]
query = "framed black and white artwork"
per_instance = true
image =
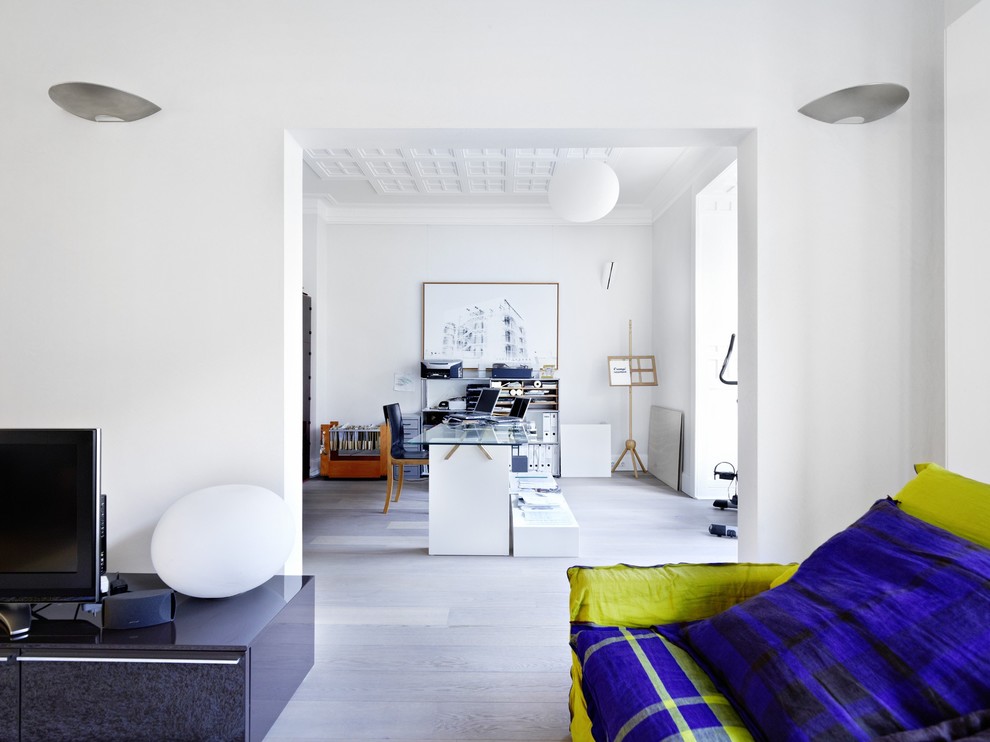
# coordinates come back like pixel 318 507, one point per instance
pixel 486 323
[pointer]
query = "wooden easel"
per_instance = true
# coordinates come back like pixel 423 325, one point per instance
pixel 631 371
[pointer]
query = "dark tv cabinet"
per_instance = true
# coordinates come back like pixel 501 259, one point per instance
pixel 223 670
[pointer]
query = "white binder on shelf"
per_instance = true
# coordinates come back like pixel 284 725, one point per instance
pixel 549 427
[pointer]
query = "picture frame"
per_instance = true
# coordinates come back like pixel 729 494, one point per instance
pixel 482 324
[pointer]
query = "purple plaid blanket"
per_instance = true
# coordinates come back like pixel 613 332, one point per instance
pixel 641 688
pixel 884 629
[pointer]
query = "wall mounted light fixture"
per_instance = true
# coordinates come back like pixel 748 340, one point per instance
pixel 100 103
pixel 860 104
pixel 608 275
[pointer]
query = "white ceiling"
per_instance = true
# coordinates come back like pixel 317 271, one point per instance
pixel 353 178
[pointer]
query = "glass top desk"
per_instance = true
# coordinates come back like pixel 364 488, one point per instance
pixel 469 492
pixel 501 433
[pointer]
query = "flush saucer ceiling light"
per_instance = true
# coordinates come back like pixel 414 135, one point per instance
pixel 857 105
pixel 583 190
pixel 100 103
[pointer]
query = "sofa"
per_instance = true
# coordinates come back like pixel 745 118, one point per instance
pixel 883 632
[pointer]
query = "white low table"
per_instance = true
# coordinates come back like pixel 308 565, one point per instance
pixel 542 522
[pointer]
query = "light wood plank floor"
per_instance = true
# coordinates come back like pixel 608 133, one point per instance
pixel 421 648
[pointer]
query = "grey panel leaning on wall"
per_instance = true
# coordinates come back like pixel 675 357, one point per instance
pixel 666 435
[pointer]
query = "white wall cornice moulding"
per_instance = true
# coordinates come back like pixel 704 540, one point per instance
pixel 473 215
pixel 313 205
pixel 684 175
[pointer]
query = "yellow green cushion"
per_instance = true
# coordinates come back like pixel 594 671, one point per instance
pixel 639 597
pixel 950 501
pixel 785 575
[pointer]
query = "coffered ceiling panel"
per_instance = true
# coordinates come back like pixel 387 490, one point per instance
pixel 354 179
pixel 483 172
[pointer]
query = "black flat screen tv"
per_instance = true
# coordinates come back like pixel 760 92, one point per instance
pixel 51 544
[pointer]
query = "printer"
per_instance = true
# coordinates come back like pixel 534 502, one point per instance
pixel 441 368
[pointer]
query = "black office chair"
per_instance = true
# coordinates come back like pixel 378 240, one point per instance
pixel 399 455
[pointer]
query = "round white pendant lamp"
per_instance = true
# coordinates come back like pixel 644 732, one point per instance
pixel 100 103
pixel 583 190
pixel 860 104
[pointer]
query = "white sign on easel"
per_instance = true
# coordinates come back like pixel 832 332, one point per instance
pixel 630 371
pixel 618 371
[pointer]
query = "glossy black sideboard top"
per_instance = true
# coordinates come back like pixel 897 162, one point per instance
pixel 200 623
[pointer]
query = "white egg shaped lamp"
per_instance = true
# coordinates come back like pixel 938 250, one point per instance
pixel 222 541
pixel 583 190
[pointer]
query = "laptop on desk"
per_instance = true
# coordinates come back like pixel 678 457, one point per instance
pixel 482 412
pixel 487 399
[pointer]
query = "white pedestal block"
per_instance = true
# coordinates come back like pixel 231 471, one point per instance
pixel 469 500
pixel 585 450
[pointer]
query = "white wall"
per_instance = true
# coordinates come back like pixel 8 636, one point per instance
pixel 844 281
pixel 716 282
pixel 674 305
pixel 673 324
pixel 142 285
pixel 292 325
pixel 371 309
pixel 967 260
